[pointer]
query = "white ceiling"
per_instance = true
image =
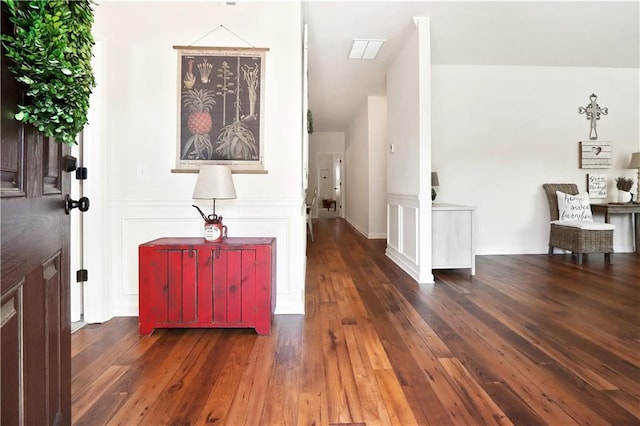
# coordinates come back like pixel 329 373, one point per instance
pixel 532 33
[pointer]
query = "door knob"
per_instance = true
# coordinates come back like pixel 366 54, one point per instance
pixel 82 204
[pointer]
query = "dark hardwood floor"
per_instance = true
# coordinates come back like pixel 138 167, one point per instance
pixel 529 340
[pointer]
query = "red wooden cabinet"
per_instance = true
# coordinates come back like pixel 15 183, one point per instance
pixel 190 282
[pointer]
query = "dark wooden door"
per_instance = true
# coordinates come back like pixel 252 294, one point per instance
pixel 36 332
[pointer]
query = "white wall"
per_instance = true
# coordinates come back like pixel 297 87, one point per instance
pixel 409 165
pixel 500 132
pixel 145 200
pixel 356 170
pixel 377 131
pixel 365 168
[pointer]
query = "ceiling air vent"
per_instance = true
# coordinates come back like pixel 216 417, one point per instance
pixel 365 49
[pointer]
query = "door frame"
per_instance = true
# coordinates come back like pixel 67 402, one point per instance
pixel 97 292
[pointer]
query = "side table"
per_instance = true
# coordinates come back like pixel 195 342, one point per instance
pixel 621 208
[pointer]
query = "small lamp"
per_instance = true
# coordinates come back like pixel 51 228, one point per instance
pixel 434 182
pixel 214 183
pixel 635 164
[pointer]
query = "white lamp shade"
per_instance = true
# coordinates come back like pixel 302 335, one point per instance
pixel 635 161
pixel 214 182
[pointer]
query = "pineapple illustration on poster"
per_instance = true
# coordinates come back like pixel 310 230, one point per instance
pixel 220 111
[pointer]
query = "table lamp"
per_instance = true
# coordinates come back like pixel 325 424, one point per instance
pixel 635 164
pixel 434 182
pixel 214 183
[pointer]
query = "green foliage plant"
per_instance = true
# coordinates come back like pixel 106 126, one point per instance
pixel 624 184
pixel 309 122
pixel 50 50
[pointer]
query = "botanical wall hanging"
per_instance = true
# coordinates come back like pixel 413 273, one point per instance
pixel 221 107
pixel 50 49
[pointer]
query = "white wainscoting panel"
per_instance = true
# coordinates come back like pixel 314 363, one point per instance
pixel 136 222
pixel 410 232
pixel 403 226
pixel 393 236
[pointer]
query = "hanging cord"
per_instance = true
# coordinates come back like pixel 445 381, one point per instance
pixel 225 28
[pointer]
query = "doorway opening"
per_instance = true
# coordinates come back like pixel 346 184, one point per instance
pixel 330 193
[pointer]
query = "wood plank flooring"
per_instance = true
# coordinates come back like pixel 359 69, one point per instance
pixel 529 340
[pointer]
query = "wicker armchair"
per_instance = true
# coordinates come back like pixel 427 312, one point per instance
pixel 578 241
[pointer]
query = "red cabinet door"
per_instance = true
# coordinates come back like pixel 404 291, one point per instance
pixel 168 286
pixel 233 292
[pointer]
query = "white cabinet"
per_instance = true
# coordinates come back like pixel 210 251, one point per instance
pixel 452 237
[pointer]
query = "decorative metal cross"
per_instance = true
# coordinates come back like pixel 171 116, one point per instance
pixel 593 112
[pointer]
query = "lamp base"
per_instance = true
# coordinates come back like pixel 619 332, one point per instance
pixel 215 232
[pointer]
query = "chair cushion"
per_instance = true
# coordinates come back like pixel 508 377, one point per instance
pixel 575 208
pixel 594 226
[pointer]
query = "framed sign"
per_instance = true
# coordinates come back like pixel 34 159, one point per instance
pixel 221 105
pixel 597 185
